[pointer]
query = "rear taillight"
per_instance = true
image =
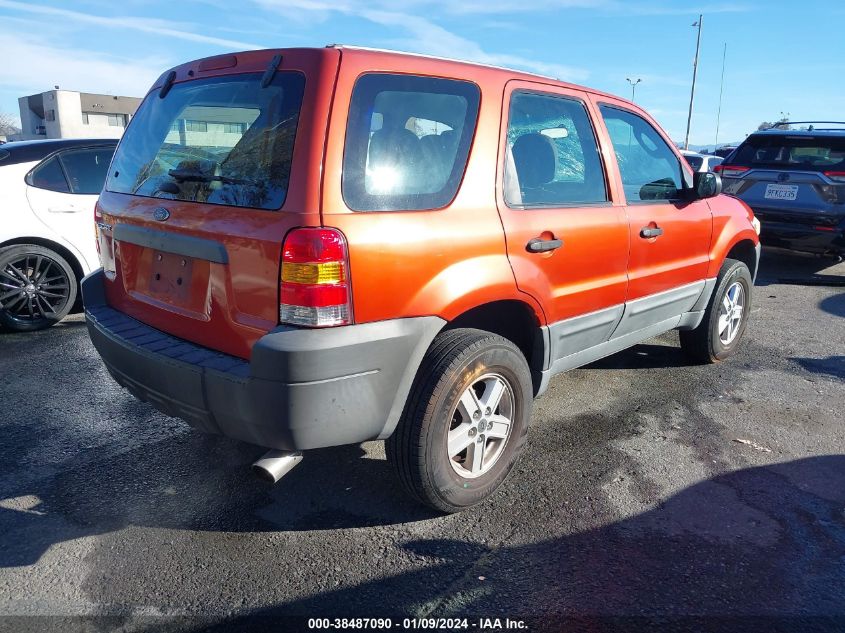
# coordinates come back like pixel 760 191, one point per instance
pixel 731 171
pixel 314 289
pixel 833 194
pixel 98 217
pixel 836 176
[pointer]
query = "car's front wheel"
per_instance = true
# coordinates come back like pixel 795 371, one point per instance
pixel 726 316
pixel 465 420
pixel 37 287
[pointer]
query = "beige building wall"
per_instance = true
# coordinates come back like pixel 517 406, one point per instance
pixel 69 114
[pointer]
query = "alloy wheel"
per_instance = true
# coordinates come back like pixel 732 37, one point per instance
pixel 33 287
pixel 731 312
pixel 480 426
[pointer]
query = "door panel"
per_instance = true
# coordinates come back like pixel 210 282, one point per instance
pixel 554 194
pixel 669 235
pixel 69 215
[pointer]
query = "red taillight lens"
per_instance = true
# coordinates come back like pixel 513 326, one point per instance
pixel 314 289
pixel 836 176
pixel 731 171
pixel 98 217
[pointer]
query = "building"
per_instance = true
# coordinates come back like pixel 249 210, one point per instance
pixel 68 114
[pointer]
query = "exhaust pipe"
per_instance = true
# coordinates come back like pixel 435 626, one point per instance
pixel 276 464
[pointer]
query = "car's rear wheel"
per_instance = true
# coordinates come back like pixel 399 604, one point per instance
pixel 725 318
pixel 465 420
pixel 37 287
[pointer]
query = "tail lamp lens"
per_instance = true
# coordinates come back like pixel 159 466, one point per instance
pixel 314 287
pixel 730 171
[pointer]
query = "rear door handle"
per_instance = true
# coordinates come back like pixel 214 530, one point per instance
pixel 538 245
pixel 651 231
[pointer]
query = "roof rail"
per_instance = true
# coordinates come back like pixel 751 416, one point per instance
pixel 812 124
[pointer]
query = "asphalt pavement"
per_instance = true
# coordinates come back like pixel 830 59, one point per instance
pixel 652 494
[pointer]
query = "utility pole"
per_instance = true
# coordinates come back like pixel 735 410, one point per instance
pixel 633 86
pixel 721 88
pixel 694 73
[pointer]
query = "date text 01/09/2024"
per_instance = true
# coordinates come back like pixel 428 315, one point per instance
pixel 438 624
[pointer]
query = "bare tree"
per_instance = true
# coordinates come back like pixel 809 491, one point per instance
pixel 8 124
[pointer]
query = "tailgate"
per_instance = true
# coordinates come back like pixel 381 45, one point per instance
pixel 205 184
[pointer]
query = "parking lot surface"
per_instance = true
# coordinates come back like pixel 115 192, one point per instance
pixel 649 488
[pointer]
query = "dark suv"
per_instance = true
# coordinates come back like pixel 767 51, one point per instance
pixel 794 180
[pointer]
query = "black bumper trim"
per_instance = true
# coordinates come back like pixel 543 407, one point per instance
pixel 303 389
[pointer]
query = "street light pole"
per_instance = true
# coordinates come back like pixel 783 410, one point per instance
pixel 721 89
pixel 633 86
pixel 694 73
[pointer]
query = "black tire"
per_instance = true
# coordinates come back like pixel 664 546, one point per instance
pixel 704 343
pixel 456 360
pixel 52 283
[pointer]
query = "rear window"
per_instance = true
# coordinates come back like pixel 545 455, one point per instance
pixel 784 151
pixel 224 140
pixel 407 141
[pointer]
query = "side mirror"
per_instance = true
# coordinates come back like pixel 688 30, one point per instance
pixel 706 184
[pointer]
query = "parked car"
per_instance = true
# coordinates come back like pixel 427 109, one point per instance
pixel 795 182
pixel 725 151
pixel 47 195
pixel 701 162
pixel 397 247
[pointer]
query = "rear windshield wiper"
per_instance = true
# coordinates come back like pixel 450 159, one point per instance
pixel 191 175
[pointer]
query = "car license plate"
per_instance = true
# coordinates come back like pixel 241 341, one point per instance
pixel 781 192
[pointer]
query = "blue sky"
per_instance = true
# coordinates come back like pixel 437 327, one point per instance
pixel 780 57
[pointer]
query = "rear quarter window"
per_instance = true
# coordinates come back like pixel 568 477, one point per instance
pixel 407 141
pixel 49 175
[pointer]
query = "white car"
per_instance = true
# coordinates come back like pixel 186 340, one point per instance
pixel 47 241
pixel 701 162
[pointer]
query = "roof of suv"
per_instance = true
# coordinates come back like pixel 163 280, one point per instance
pixel 29 151
pixel 816 131
pixel 515 74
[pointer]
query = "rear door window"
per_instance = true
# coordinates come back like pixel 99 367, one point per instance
pixel 785 151
pixel 49 175
pixel 649 168
pixel 224 140
pixel 407 141
pixel 553 159
pixel 86 168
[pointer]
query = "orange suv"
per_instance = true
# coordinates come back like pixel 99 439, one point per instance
pixel 305 248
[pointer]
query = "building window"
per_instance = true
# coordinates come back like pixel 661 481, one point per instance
pixel 117 120
pixel 234 128
pixel 85 118
pixel 50 115
pixel 196 126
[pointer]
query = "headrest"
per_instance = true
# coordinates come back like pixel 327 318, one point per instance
pixel 394 146
pixel 535 159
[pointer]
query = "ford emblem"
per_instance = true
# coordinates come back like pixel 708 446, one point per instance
pixel 161 214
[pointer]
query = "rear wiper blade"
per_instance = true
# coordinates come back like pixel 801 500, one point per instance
pixel 190 175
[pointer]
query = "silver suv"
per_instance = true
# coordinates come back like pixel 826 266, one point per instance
pixel 794 180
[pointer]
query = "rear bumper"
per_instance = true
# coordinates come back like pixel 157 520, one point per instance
pixel 802 237
pixel 796 231
pixel 302 389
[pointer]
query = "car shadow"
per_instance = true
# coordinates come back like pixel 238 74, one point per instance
pixel 832 365
pixel 779 266
pixel 646 356
pixel 834 305
pixel 200 483
pixel 757 549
